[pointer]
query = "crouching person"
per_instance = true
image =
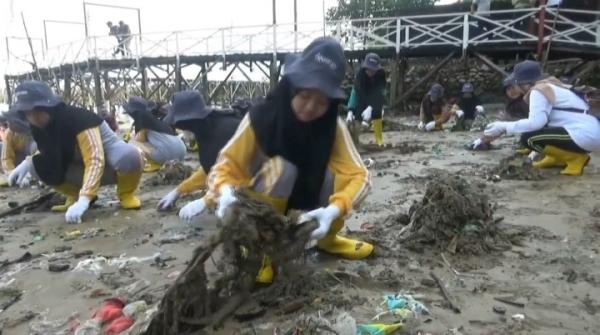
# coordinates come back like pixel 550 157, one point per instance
pixel 559 124
pixel 295 153
pixel 211 131
pixel 155 139
pixel 77 152
pixel 17 142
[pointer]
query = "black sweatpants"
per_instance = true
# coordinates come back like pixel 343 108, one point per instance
pixel 558 137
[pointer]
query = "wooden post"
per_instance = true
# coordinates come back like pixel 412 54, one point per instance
pixel 401 81
pixel 394 79
pixel 541 29
pixel 423 80
pixel 98 89
pixel 273 73
pixel 8 90
pixel 144 83
pixel 107 90
pixel 204 89
pixel 67 91
pixel 177 74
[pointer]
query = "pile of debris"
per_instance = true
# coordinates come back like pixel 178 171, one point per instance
pixel 453 216
pixel 251 230
pixel 516 167
pixel 171 173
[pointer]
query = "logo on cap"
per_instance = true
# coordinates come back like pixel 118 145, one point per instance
pixel 325 60
pixel 20 93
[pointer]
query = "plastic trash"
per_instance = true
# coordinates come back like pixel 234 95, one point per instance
pixel 123 261
pixel 92 265
pixel 406 301
pixel 135 308
pixel 344 324
pixel 119 325
pixel 90 327
pixel 131 291
pixel 378 329
pixel 109 310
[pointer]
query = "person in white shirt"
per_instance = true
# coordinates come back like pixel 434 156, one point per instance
pixel 559 125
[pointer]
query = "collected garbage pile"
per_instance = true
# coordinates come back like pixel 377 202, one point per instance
pixel 453 215
pixel 251 230
pixel 516 167
pixel 171 173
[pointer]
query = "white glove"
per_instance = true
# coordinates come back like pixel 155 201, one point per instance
pixel 479 109
pixel 226 198
pixel 75 212
pixel 168 200
pixel 21 175
pixel 192 209
pixel 324 215
pixel 350 117
pixel 460 113
pixel 421 125
pixel 495 129
pixel 367 113
pixel 476 144
pixel 430 126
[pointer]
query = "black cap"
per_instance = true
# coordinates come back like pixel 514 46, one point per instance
pixel 321 66
pixel 467 88
pixel 371 62
pixel 135 104
pixel 32 93
pixel 436 91
pixel 525 72
pixel 186 105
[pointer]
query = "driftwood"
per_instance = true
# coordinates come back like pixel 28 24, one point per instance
pixel 445 293
pixel 37 201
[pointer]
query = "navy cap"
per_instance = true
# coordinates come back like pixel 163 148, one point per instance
pixel 186 105
pixel 135 104
pixel 321 66
pixel 526 72
pixel 32 93
pixel 467 88
pixel 371 62
pixel 436 91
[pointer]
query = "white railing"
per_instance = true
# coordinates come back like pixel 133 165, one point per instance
pixel 455 30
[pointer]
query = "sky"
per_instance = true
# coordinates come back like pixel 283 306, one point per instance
pixel 156 16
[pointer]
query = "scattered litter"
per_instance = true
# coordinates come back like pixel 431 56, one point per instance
pixel 499 310
pixel 172 239
pixel 135 308
pixel 378 329
pixel 58 327
pixel 518 317
pixel 402 305
pixel 96 265
pixel 58 265
pixel 515 167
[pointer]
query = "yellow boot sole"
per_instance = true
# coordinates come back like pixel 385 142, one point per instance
pixel 63 208
pixel 130 202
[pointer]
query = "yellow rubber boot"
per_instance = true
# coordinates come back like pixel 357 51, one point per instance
pixel 438 122
pixel 126 186
pixel 548 162
pixel 345 247
pixel 70 192
pixel 151 166
pixel 378 129
pixel 575 161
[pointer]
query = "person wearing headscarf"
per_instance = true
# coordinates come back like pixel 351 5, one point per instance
pixel 17 142
pixel 368 96
pixel 434 109
pixel 467 107
pixel 294 152
pixel 211 130
pixel 77 152
pixel 559 123
pixel 155 139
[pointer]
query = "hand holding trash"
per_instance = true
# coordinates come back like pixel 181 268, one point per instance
pixel 192 209
pixel 367 113
pixel 168 200
pixel 226 198
pixel 495 129
pixel 21 175
pixel 75 212
pixel 430 126
pixel 479 110
pixel 350 117
pixel 324 215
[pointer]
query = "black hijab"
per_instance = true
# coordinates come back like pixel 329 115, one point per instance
pixel 307 145
pixel 57 142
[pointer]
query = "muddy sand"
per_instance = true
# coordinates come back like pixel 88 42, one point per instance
pixel 541 274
